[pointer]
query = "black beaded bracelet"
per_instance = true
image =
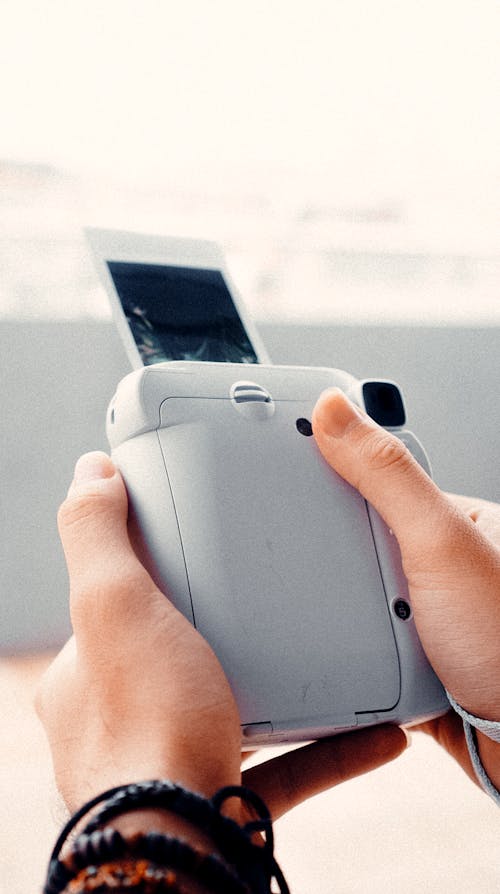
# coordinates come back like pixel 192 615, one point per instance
pixel 136 876
pixel 255 865
pixel 109 845
pixel 204 814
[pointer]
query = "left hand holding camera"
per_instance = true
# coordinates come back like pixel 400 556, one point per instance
pixel 137 693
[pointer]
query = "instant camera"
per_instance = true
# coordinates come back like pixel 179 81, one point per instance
pixel 291 576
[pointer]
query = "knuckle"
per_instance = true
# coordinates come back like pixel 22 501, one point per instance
pixel 78 508
pixel 385 451
pixel 104 596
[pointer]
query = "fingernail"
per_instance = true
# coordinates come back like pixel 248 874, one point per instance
pixel 93 466
pixel 338 413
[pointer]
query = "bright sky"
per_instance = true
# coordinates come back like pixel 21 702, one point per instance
pixel 380 91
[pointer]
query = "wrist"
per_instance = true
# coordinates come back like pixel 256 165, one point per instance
pixel 158 825
pixel 194 776
pixel 153 820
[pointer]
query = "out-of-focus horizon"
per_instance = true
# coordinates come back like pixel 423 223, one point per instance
pixel 347 155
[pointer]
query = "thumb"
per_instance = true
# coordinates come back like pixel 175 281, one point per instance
pixel 379 465
pixel 102 566
pixel 452 570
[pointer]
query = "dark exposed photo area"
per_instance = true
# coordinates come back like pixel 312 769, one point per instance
pixel 180 313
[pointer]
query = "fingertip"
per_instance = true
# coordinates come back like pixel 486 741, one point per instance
pixel 401 740
pixel 93 466
pixel 325 407
pixel 408 736
pixel 97 487
pixel 334 414
pixel 386 741
pixel 95 472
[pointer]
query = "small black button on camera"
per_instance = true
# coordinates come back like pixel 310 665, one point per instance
pixel 383 402
pixel 304 427
pixel 402 609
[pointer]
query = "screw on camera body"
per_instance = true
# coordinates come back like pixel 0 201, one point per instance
pixel 304 427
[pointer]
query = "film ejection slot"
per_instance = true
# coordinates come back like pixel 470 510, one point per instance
pixel 251 400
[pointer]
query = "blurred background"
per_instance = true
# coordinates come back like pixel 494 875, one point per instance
pixel 347 157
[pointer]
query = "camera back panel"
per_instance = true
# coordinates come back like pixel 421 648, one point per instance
pixel 294 607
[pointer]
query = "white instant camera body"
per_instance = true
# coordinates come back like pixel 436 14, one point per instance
pixel 294 580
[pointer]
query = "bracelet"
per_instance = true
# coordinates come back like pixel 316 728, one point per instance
pixel 90 855
pixel 139 876
pixel 489 728
pixel 166 795
pixel 253 867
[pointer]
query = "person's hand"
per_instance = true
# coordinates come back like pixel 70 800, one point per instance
pixel 450 549
pixel 137 693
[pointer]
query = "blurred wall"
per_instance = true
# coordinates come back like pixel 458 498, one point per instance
pixel 57 379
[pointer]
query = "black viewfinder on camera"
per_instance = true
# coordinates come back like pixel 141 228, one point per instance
pixel 383 402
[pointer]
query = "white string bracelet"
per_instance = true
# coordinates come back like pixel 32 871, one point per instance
pixel 489 728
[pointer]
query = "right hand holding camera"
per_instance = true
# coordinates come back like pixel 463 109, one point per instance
pixel 450 548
